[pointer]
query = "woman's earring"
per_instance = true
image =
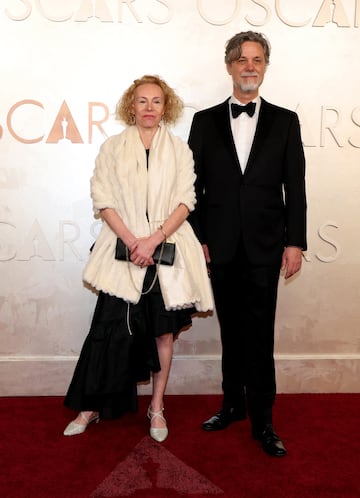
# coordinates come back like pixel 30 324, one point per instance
pixel 132 119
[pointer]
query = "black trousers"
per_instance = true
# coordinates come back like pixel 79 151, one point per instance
pixel 245 299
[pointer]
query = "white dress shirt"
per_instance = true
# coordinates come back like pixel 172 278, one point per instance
pixel 243 129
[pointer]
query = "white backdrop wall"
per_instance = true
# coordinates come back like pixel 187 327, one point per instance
pixel 63 67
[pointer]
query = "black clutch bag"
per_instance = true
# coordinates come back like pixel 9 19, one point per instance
pixel 164 253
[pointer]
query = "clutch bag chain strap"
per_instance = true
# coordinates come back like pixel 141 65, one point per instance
pixel 143 293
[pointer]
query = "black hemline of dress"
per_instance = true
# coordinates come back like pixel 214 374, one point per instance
pixel 113 359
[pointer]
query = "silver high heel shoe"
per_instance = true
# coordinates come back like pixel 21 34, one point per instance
pixel 157 433
pixel 74 428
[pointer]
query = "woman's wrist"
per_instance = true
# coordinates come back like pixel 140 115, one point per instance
pixel 163 233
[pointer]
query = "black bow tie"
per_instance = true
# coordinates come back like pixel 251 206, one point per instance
pixel 236 109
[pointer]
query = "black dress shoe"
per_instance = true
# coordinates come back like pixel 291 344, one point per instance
pixel 271 443
pixel 222 419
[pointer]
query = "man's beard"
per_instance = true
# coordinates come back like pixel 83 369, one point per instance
pixel 248 86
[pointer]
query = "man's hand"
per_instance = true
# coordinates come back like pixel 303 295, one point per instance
pixel 291 260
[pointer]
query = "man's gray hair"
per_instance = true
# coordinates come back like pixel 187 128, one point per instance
pixel 233 46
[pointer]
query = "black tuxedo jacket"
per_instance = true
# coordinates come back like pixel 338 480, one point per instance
pixel 265 207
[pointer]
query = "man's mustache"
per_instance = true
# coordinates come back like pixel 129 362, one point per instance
pixel 247 73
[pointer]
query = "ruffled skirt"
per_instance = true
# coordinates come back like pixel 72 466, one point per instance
pixel 120 351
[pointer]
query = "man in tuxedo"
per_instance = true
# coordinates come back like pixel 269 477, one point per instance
pixel 251 220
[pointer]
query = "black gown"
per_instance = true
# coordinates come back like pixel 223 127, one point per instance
pixel 120 351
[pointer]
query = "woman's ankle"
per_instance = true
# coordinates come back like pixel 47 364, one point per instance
pixel 84 417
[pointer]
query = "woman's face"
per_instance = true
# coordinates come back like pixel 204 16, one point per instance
pixel 149 105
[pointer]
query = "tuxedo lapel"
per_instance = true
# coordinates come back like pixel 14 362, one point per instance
pixel 262 129
pixel 224 130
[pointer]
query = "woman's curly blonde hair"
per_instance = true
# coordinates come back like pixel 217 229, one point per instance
pixel 174 106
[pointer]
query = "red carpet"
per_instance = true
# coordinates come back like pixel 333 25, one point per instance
pixel 118 459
